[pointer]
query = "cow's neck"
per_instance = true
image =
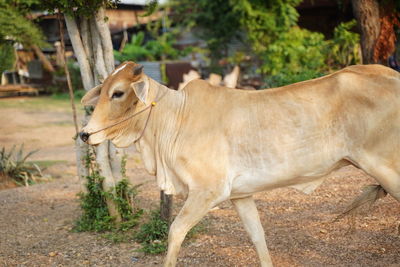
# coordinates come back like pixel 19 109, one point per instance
pixel 161 130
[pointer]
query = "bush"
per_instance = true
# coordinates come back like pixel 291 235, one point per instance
pixel 7 57
pixel 300 55
pixel 153 234
pixel 289 78
pixel 153 50
pixel 95 216
pixel 344 48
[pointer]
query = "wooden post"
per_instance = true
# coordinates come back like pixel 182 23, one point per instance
pixel 166 207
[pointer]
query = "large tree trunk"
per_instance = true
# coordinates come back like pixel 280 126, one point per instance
pixel 91 41
pixel 367 15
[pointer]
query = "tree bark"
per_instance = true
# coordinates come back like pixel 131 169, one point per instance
pixel 166 207
pixel 83 61
pixel 81 152
pixel 367 15
pixel 93 49
pixel 100 67
pixel 116 155
pixel 46 63
pixel 102 159
pixel 106 41
pixel 87 40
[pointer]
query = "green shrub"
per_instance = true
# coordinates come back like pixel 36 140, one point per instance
pixel 283 78
pixel 300 55
pixel 153 234
pixel 153 50
pixel 95 215
pixel 344 48
pixel 13 164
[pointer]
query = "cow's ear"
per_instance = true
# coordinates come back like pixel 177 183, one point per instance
pixel 92 96
pixel 141 89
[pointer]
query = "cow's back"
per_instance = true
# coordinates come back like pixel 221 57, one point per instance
pixel 301 127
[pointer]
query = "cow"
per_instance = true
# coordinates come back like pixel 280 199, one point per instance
pixel 210 145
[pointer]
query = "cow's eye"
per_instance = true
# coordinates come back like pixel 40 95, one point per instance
pixel 117 94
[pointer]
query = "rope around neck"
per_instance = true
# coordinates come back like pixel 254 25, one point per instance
pixel 153 104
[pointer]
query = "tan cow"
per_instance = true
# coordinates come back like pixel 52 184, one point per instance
pixel 214 145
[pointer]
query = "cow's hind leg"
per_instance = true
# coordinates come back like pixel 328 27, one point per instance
pixel 248 213
pixel 386 170
pixel 196 206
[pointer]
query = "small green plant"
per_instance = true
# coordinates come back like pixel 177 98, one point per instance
pixel 13 164
pixel 95 215
pixel 153 234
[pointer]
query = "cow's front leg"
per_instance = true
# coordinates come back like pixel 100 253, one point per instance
pixel 248 213
pixel 194 209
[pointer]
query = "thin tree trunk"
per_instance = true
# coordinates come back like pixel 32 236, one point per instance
pixel 166 207
pixel 86 73
pixel 106 41
pixel 81 153
pixel 116 155
pixel 103 161
pixel 46 63
pixel 70 89
pixel 87 80
pixel 93 49
pixel 101 71
pixel 367 15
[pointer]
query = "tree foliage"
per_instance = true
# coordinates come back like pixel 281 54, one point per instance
pixel 7 56
pixel 344 48
pixel 214 20
pixel 278 47
pixel 15 26
pixel 85 8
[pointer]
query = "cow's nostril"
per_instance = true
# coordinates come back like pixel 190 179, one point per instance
pixel 84 136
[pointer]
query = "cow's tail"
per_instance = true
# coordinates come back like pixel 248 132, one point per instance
pixel 369 195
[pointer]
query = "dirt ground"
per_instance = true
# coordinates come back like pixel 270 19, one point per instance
pixel 36 221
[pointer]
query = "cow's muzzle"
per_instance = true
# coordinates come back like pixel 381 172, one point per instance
pixel 84 136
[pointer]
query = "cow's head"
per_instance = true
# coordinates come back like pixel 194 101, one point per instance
pixel 123 93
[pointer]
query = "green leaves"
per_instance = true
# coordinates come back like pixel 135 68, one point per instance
pixel 13 164
pixel 152 50
pixel 85 8
pixel 153 234
pixel 95 215
pixel 15 26
pixel 344 48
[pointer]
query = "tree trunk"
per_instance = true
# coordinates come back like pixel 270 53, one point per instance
pixel 106 42
pixel 98 54
pixel 92 45
pixel 367 15
pixel 166 207
pixel 46 63
pixel 80 54
pixel 109 183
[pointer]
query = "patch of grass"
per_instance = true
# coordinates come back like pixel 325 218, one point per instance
pixel 42 103
pixel 65 96
pixel 43 164
pixel 13 164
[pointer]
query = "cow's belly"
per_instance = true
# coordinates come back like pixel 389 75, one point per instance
pixel 260 179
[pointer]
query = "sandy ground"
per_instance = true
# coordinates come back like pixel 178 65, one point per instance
pixel 36 221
